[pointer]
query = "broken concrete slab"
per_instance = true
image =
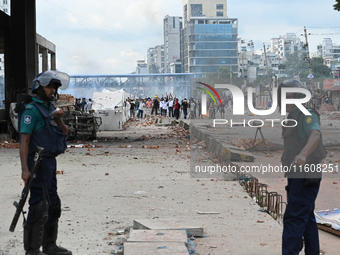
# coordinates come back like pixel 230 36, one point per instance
pixel 154 248
pixel 237 154
pixel 168 224
pixel 141 235
pixel 184 125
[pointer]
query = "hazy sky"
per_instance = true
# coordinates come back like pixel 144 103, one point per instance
pixel 109 36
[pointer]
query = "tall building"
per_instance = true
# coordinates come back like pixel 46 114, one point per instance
pixel 155 59
pixel 285 45
pixel 209 37
pixel 328 50
pixel 5 6
pixel 172 42
pixel 142 67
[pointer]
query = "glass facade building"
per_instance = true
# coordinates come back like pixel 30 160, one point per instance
pixel 210 43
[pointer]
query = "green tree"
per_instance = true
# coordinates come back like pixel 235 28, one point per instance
pixel 337 5
pixel 222 76
pixel 320 70
pixel 262 79
pixel 295 64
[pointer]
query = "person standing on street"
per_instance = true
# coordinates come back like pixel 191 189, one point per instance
pixel 337 103
pixel 211 109
pixel 132 108
pixel 155 105
pixel 165 106
pixel 148 107
pixel 83 104
pixel 161 106
pixel 88 106
pixel 171 108
pixel 222 111
pixel 176 107
pixel 303 149
pixel 40 124
pixel 141 109
pixel 185 106
pixel 2 104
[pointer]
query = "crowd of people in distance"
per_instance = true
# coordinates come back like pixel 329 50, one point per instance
pixel 170 106
pixel 83 105
pixel 322 97
pixel 167 106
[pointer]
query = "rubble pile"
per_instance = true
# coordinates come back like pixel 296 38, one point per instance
pixel 181 132
pixel 132 122
pixel 334 116
pixel 326 107
pixel 12 144
pixel 86 145
pixel 146 123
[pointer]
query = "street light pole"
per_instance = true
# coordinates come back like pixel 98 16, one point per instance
pixel 265 56
pixel 308 60
pixel 243 68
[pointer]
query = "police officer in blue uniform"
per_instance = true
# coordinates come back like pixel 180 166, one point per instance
pixel 303 150
pixel 40 124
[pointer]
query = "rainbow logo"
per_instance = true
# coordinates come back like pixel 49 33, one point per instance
pixel 209 93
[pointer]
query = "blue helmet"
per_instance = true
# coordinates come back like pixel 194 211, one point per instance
pixel 51 77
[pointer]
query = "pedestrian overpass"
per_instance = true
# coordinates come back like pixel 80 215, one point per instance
pixel 136 84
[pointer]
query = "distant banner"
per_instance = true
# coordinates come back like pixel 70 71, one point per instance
pixel 331 84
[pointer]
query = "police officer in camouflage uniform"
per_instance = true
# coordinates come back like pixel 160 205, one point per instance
pixel 303 150
pixel 40 124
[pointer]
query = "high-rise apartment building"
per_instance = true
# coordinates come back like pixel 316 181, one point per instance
pixel 285 45
pixel 142 67
pixel 5 5
pixel 328 50
pixel 209 37
pixel 172 41
pixel 155 59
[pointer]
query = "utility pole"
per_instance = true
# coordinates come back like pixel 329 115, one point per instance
pixel 231 76
pixel 265 56
pixel 309 62
pixel 244 81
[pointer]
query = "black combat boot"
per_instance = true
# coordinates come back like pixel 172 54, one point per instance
pixel 34 230
pixel 33 235
pixel 50 240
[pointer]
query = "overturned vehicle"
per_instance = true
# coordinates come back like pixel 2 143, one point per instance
pixel 81 125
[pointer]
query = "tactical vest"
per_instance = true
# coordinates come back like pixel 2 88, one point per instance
pixel 50 138
pixel 293 146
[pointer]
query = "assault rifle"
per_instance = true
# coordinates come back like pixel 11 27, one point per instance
pixel 24 194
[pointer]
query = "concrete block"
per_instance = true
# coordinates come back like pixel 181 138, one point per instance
pixel 236 154
pixel 200 134
pixel 168 224
pixel 218 148
pixel 140 235
pixel 155 248
pixel 186 126
pixel 209 142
